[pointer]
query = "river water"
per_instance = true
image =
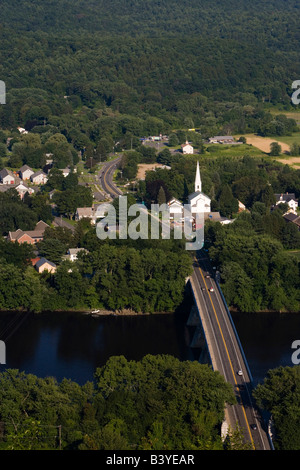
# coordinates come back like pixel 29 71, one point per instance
pixel 73 345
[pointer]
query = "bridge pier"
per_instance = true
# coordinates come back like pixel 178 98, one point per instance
pixel 194 319
pixel 197 340
pixel 204 355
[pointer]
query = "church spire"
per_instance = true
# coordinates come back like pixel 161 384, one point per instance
pixel 198 185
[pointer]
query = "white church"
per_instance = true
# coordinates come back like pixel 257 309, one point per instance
pixel 198 201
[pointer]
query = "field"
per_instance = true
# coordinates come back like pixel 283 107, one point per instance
pixel 292 161
pixel 263 143
pixel 221 150
pixel 290 139
pixel 289 114
pixel 143 167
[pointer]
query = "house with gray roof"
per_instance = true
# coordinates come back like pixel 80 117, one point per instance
pixel 85 213
pixel 39 177
pixel 44 264
pixel 289 199
pixel 25 172
pixel 7 177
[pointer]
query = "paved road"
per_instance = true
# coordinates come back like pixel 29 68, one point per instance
pixel 226 354
pixel 106 178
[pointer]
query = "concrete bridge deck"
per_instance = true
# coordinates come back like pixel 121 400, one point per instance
pixel 226 354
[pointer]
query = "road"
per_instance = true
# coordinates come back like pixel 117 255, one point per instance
pixel 106 177
pixel 62 223
pixel 226 354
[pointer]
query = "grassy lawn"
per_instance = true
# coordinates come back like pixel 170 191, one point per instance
pixel 70 221
pixel 289 114
pixel 220 150
pixel 290 139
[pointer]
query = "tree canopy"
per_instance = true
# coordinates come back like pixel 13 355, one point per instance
pixel 158 403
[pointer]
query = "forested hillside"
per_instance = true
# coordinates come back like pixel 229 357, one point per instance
pixel 149 66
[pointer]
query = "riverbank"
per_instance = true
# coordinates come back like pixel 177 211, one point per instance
pixel 235 310
pixel 124 312
pixel 95 312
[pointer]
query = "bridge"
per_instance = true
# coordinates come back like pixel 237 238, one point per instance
pixel 213 321
pixel 215 330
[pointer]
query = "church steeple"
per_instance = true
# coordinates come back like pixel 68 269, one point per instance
pixel 198 185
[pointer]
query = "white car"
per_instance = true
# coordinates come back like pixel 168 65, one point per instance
pixel 240 372
pixel 211 289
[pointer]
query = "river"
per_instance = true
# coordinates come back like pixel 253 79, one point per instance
pixel 73 345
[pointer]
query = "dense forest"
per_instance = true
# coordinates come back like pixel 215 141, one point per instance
pixel 87 78
pixel 94 70
pixel 158 403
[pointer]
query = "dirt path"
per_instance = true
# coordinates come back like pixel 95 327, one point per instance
pixel 292 161
pixel 263 143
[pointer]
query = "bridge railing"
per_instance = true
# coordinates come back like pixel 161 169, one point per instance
pixel 201 322
pixel 235 331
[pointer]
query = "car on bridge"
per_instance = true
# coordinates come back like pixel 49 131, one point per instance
pixel 211 289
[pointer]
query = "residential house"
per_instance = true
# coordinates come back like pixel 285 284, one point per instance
pixel 39 177
pixel 73 252
pixel 7 177
pixel 22 189
pixel 292 218
pixel 289 199
pixel 41 226
pixel 85 213
pixel 34 261
pixel 45 265
pixel 242 207
pixel 25 172
pixel 22 130
pixel 175 209
pixel 66 172
pixel 29 236
pixel 187 148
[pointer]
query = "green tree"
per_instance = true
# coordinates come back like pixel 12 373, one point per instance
pixel 180 392
pixel 173 140
pixel 227 202
pixel 52 249
pixel 161 197
pixel 279 395
pixel 275 149
pixel 294 149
